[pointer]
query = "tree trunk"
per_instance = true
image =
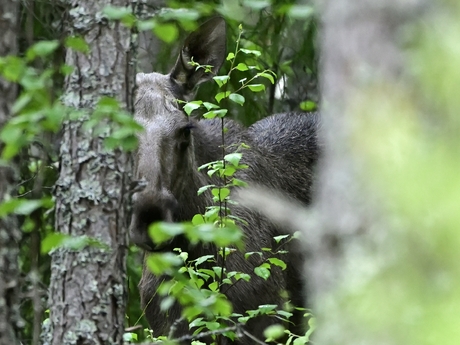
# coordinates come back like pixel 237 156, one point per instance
pixel 361 58
pixel 88 286
pixel 10 234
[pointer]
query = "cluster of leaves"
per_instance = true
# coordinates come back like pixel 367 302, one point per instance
pixel 38 114
pixel 282 33
pixel 31 137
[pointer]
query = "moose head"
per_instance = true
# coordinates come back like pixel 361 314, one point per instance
pixel 166 155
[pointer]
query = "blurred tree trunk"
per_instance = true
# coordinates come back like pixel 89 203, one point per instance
pixel 10 234
pixel 361 55
pixel 360 48
pixel 88 286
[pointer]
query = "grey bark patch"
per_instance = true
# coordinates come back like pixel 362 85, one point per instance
pixel 87 290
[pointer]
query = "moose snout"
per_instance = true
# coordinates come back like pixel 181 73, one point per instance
pixel 149 208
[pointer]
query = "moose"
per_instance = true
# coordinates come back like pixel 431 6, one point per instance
pixel 282 154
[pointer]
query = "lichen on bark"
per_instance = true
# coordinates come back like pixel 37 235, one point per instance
pixel 87 290
pixel 10 234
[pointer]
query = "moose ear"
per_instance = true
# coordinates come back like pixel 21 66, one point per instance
pixel 206 46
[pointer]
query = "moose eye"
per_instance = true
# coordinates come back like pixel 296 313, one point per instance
pixel 186 131
pixel 184 135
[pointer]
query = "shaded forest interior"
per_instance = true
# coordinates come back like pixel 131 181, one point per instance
pixel 381 232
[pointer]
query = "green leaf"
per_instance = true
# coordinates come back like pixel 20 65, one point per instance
pixel 203 258
pixel 52 241
pixel 26 207
pixel 184 15
pixel 128 20
pixel 196 323
pixel 279 238
pixel 211 172
pixel 12 68
pixel 257 4
pixel 267 308
pixel 222 237
pixel 166 32
pixel 256 87
pixel 211 213
pixel 248 254
pixel 221 193
pixel 11 134
pixel 229 171
pixel 277 262
pixel 221 95
pixel 210 115
pixel 300 341
pixel 77 43
pixel 144 25
pixel 191 106
pixel 221 79
pixel 116 13
pixel 221 113
pixel 243 319
pixel 267 76
pixel 163 231
pixel 234 158
pixel 130 337
pixel 210 106
pixel 237 98
pixel 208 272
pixel 66 69
pixel 197 219
pixel 284 313
pixel 307 106
pixel 122 133
pixel 274 332
pixel 242 67
pixel 262 272
pixel 42 48
pixel 230 56
pixel 244 276
pixel 300 11
pixel 57 240
pixel 161 263
pixel 215 113
pixel 107 104
pixel 201 190
pixel 249 51
pixel 214 286
pixel 238 182
pixel 218 271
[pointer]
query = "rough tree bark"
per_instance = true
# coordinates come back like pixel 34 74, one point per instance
pixel 10 234
pixel 87 291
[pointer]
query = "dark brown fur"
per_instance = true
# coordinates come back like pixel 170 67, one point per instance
pixel 282 156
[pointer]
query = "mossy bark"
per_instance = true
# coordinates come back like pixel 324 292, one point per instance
pixel 88 292
pixel 10 233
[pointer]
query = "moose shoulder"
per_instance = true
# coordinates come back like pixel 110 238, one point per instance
pixel 282 156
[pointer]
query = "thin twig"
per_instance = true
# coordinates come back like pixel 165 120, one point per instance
pixel 250 336
pixel 187 337
pixel 174 327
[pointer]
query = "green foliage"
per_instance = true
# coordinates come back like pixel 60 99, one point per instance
pixel 34 111
pixel 38 113
pixel 199 284
pixel 123 126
